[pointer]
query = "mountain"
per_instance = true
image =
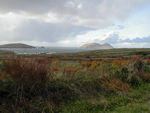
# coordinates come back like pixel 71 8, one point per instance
pixel 106 46
pixel 91 45
pixel 97 46
pixel 16 45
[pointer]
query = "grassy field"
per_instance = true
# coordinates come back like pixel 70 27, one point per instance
pixel 4 52
pixel 100 54
pixel 110 81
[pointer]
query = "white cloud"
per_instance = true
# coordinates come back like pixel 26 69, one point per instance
pixel 79 6
pixel 67 22
pixel 131 45
pixel 10 21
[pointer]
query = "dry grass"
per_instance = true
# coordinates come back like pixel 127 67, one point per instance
pixel 31 71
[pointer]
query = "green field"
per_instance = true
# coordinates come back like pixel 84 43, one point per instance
pixel 102 81
pixel 100 54
pixel 4 52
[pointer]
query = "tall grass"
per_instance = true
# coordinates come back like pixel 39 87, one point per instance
pixel 26 78
pixel 28 72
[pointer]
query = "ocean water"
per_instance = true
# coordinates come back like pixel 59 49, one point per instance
pixel 47 50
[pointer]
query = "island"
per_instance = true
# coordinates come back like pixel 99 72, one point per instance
pixel 95 46
pixel 16 45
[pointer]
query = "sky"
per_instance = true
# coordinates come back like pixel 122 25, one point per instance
pixel 72 23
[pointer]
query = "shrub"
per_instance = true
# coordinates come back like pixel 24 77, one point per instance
pixel 95 64
pixel 118 64
pixel 146 77
pixel 106 60
pixel 113 84
pixel 132 72
pixel 69 73
pixel 148 61
pixel 55 69
pixel 29 75
pixel 86 64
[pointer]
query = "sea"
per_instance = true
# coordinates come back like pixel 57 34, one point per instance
pixel 45 50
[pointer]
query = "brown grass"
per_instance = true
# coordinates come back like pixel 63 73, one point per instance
pixel 28 72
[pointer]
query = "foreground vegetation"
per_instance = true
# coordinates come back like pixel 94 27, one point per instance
pixel 43 85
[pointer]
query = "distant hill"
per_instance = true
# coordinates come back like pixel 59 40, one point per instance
pixel 97 46
pixel 16 45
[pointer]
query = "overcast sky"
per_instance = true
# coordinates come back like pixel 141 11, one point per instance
pixel 71 23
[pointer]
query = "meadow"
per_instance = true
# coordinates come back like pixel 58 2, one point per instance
pixel 102 81
pixel 4 52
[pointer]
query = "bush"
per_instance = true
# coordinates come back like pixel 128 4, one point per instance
pixel 28 75
pixel 133 72
pixel 113 84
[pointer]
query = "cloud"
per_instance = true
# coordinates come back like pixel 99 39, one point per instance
pixel 116 41
pixel 139 40
pixel 90 13
pixel 32 6
pixel 131 45
pixel 32 30
pixel 114 38
pixel 63 21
